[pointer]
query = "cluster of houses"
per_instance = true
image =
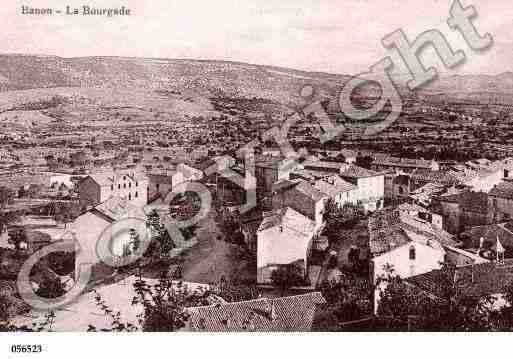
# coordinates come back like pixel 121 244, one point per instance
pixel 420 214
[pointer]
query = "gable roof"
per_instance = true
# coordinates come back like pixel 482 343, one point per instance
pixel 310 191
pixel 390 228
pixel 288 218
pixel 487 278
pixel 295 313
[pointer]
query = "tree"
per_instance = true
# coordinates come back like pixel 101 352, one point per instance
pixel 286 277
pixel 6 306
pixel 364 161
pixel 349 298
pixel 234 292
pixel 454 308
pixel 159 233
pixel 339 218
pixel 164 305
pixel 135 241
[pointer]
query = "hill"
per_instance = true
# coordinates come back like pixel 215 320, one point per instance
pixel 205 78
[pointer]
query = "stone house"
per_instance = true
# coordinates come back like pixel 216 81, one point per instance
pixel 97 188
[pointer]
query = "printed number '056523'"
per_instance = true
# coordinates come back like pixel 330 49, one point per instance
pixel 18 348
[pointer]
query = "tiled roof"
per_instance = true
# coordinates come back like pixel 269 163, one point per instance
pixel 310 175
pixel 503 190
pixel 310 191
pixel 431 282
pixel 487 278
pixel 443 177
pixel 354 171
pixel 283 185
pixel 390 229
pixel 402 162
pixel 333 186
pixel 323 164
pixel 294 313
pixel 288 218
pixel 115 208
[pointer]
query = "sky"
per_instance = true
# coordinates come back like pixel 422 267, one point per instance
pixel 336 36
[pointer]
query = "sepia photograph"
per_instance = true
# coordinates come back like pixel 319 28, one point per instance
pixel 326 168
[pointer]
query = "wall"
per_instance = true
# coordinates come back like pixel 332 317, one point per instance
pixel 501 209
pixel 90 193
pixel 451 214
pixel 370 191
pixel 125 187
pixel 302 203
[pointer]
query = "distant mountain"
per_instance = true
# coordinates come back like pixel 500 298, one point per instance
pixel 208 78
pixel 212 78
pixel 502 83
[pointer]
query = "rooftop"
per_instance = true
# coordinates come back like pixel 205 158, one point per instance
pixel 503 190
pixel 390 228
pixel 333 186
pixel 353 171
pixel 295 313
pixel 115 208
pixel 487 278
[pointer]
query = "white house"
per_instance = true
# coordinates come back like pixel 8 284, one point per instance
pixel 284 237
pixel 370 186
pixel 111 219
pixel 406 244
pixel 414 254
pixel 97 188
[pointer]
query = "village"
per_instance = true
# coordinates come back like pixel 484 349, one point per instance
pixel 318 246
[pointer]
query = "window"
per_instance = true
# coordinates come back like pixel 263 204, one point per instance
pixel 136 194
pixel 124 178
pixel 158 186
pixel 119 185
pixel 412 253
pixel 124 185
pixel 112 187
pixel 129 184
pixel 129 196
pixel 136 184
